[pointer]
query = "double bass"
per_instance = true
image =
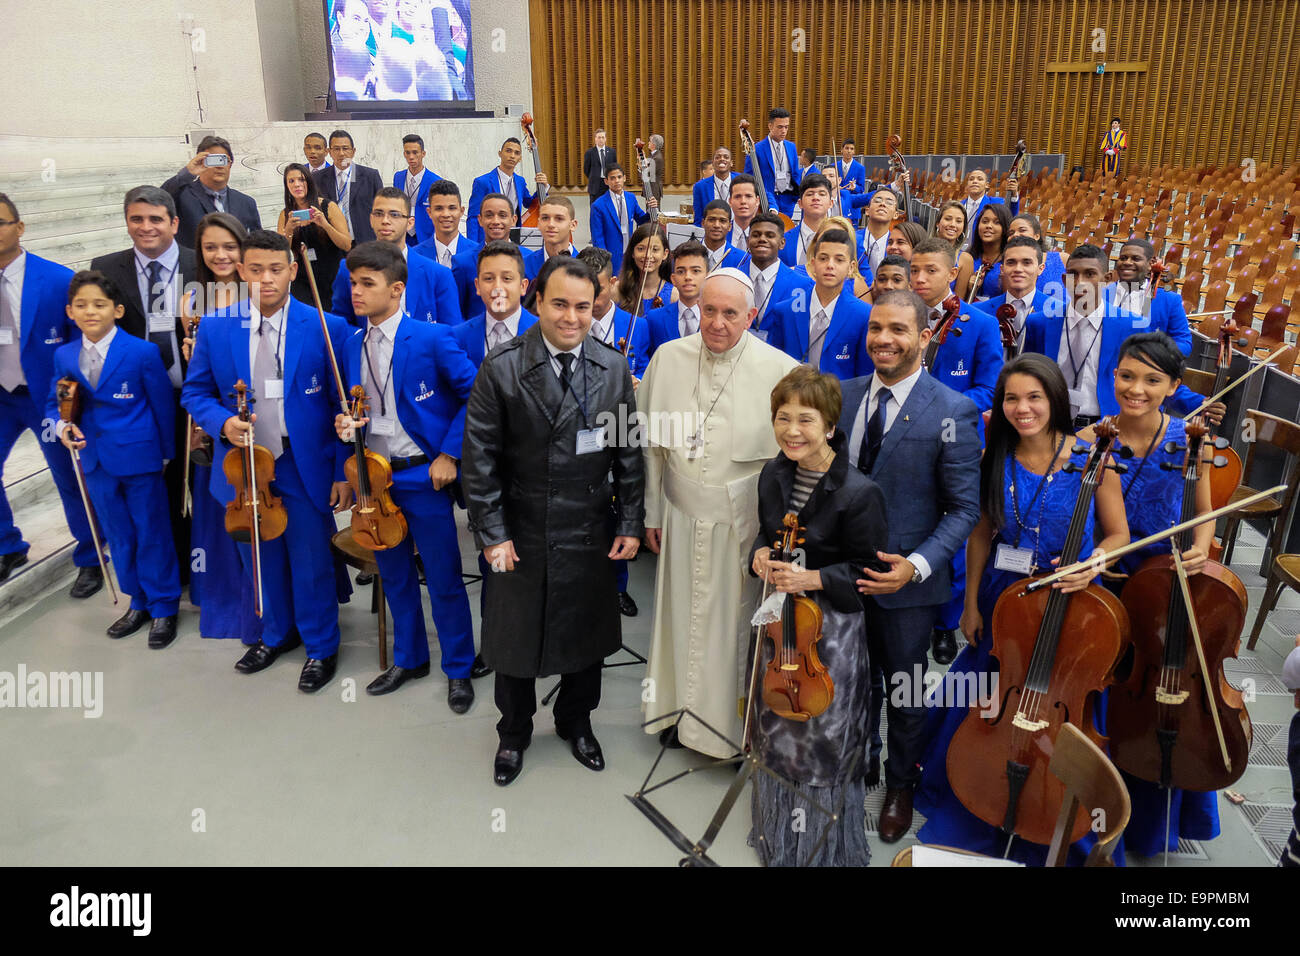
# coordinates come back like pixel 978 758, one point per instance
pixel 646 165
pixel 897 167
pixel 1006 316
pixel 796 684
pixel 1176 721
pixel 747 142
pixel 1224 481
pixel 1056 652
pixel 533 214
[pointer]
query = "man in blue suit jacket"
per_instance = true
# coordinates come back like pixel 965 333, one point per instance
pixel 900 427
pixel 445 211
pixel 679 319
pixel 416 379
pixel 34 291
pixel 1022 264
pixel 776 148
pixel 827 329
pixel 971 357
pixel 125 436
pixel 419 179
pixel 199 189
pixel 430 295
pixel 502 180
pixel 717 229
pixel 557 222
pixel 717 186
pixel 255 342
pixel 1084 339
pixel 774 281
pixel 1164 312
pixel 851 173
pixel 615 216
pixel 977 197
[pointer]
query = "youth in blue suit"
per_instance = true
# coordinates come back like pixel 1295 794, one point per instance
pixel 297 567
pixel 419 204
pixel 430 292
pixel 703 193
pixel 786 283
pixel 790 251
pixel 1043 330
pixel 844 346
pixel 43 328
pixel 489 182
pixel 1163 313
pixel 533 261
pixel 128 420
pixel 431 379
pixel 970 362
pixel 855 173
pixel 605 230
pixel 464 267
pixel 662 325
pixel 763 150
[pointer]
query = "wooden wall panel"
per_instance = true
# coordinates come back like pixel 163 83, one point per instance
pixel 1221 83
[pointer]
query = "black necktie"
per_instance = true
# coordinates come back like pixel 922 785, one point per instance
pixel 874 434
pixel 156 294
pixel 566 370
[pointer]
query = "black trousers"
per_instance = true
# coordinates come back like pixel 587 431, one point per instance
pixel 516 698
pixel 1291 851
pixel 898 640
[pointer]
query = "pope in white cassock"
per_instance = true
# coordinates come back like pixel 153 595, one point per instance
pixel 706 400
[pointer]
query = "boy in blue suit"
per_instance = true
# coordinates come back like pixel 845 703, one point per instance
pixel 557 222
pixel 430 295
pixel 277 346
pixel 716 185
pixel 971 358
pixel 502 180
pixel 977 197
pixel 717 227
pixel 778 162
pixel 676 320
pixel 815 202
pixel 851 173
pixel 1164 310
pixel 828 329
pixel 873 240
pixel 415 181
pixel 774 281
pixel 615 215
pixel 445 211
pixel 499 287
pixel 1022 264
pixel 416 379
pixel 495 218
pixel 125 437
pixel 34 323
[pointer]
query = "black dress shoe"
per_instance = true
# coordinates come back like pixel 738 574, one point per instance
pixel 364 578
pixel 670 738
pixel 162 632
pixel 89 581
pixel 14 559
pixel 480 668
pixel 259 657
pixel 626 606
pixel 943 644
pixel 586 750
pixel 317 672
pixel 507 766
pixel 395 677
pixel 128 623
pixel 460 694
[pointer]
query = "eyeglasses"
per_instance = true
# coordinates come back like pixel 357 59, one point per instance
pixel 9 222
pixel 389 214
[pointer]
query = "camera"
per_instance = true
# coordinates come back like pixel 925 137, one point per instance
pixel 216 159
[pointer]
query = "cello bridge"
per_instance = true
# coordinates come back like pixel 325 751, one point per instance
pixel 1024 723
pixel 1166 697
pixel 789 667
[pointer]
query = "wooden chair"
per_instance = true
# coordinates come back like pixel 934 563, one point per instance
pixel 1092 784
pixel 1216 296
pixel 1272 331
pixel 1191 291
pixel 1218 267
pixel 1285 436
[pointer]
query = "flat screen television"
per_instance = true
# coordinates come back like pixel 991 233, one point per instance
pixel 393 55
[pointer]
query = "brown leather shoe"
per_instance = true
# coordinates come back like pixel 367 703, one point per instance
pixel 896 817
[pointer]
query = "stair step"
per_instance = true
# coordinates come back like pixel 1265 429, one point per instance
pixel 49 561
pixel 27 480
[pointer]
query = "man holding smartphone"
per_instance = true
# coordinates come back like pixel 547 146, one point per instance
pixel 203 187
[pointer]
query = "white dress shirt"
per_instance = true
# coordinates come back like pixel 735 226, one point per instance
pixel 102 348
pixel 400 443
pixel 164 303
pixel 11 287
pixel 1079 361
pixel 278 319
pixel 1025 307
pixel 815 306
pixel 576 352
pixel 721 188
pixel 1130 298
pixel 899 393
pixel 805 240
pixel 769 279
pixel 510 323
pixel 603 328
pixel 446 252
pixel 683 313
pixel 716 255
pixel 507 186
pixel 874 248
pixel 739 237
pixel 780 166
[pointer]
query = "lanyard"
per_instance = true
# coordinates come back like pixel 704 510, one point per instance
pixel 347 181
pixel 279 337
pixel 582 402
pixel 1042 483
pixel 374 377
pixel 1150 446
pixel 1076 369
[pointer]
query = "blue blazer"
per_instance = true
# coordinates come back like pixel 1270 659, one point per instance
pixel 44 326
pixel 1167 315
pixel 311 398
pixel 1043 330
pixel 489 182
pixel 464 270
pixel 703 193
pixel 604 224
pixel 844 347
pixel 640 351
pixel 790 251
pixel 733 258
pixel 430 292
pixel 784 286
pixel 931 480
pixel 129 420
pixel 193 203
pixel 432 377
pixel 763 150
pixel 533 262
pixel 1040 299
pixel 662 326
pixel 420 205
pixel 970 362
pixel 471 334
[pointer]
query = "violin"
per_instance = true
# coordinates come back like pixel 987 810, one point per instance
pixel 533 214
pixel 1006 316
pixel 1055 653
pixel 1224 481
pixel 255 514
pixel 796 685
pixel 898 166
pixel 68 393
pixel 747 142
pixel 977 280
pixel 951 313
pixel 1176 721
pixel 644 163
pixel 1019 164
pixel 377 523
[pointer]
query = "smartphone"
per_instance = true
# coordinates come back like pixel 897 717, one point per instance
pixel 216 159
pixel 302 215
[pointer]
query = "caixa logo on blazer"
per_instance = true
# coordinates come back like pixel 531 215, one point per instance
pixel 55 338
pixel 314 387
pixel 424 393
pixel 124 392
pixel 961 368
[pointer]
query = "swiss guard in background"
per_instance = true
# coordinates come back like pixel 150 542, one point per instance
pixel 1116 140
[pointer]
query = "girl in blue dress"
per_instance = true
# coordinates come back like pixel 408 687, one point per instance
pixel 1149 371
pixel 992 230
pixel 1051 281
pixel 1026 503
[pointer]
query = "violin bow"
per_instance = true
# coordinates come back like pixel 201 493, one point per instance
pixel 1200 655
pixel 325 331
pixel 1231 385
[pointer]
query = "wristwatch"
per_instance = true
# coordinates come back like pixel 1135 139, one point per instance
pixel 916 576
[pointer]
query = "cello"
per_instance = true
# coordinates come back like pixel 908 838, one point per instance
pixel 796 685
pixel 1224 481
pixel 533 214
pixel 1006 316
pixel 747 142
pixel 1056 652
pixel 1176 721
pixel 377 523
pixel 948 324
pixel 897 167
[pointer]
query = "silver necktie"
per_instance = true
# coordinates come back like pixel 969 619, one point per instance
pixel 266 430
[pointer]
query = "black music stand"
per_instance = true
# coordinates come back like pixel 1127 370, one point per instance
pixel 697 850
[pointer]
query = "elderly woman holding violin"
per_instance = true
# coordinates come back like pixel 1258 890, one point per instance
pixel 832 517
